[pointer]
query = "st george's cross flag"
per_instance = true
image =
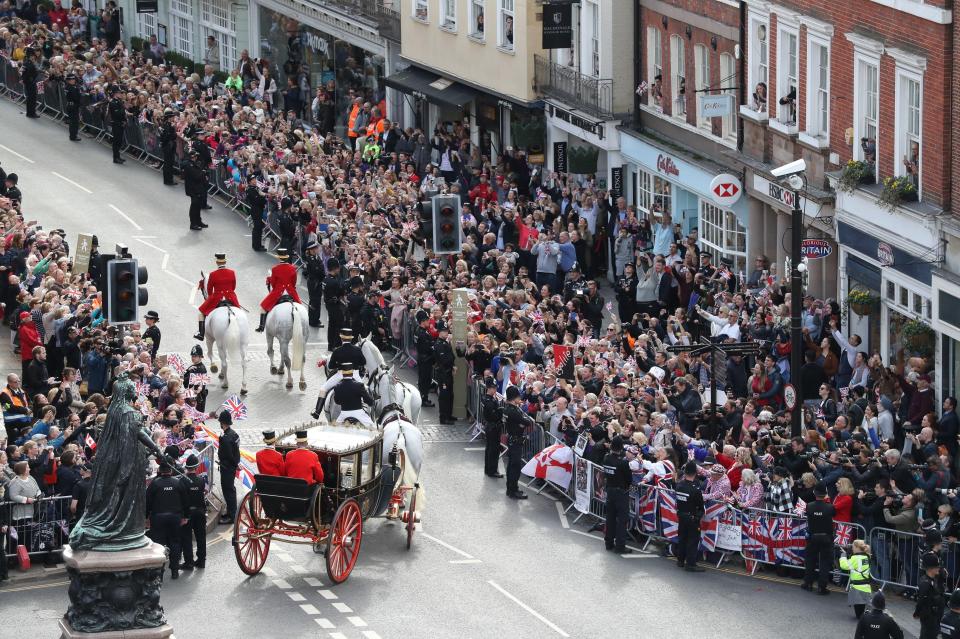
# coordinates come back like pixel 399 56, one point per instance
pixel 554 463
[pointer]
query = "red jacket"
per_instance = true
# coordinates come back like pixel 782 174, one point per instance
pixel 303 464
pixel 843 507
pixel 483 191
pixel 29 338
pixel 221 285
pixel 270 462
pixel 282 280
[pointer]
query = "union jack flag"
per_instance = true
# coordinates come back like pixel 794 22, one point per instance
pixel 609 307
pixel 708 525
pixel 843 534
pixel 789 537
pixel 583 340
pixel 668 514
pixel 199 379
pixel 755 538
pixel 647 509
pixel 194 414
pixel 537 317
pixel 238 410
pixel 40 86
pixel 175 362
pixel 246 476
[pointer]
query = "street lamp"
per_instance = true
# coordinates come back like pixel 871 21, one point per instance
pixel 794 175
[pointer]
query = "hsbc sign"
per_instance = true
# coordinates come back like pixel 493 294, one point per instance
pixel 726 189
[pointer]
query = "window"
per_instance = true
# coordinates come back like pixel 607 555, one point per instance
pixel 678 78
pixel 654 68
pixel 218 19
pixel 146 25
pixel 644 191
pixel 908 127
pixel 701 57
pixel 593 46
pixel 867 81
pixel 181 17
pixel 505 21
pixel 818 88
pixel 421 10
pixel 728 83
pixel 476 18
pixel 788 70
pixel 722 235
pixel 759 62
pixel 448 14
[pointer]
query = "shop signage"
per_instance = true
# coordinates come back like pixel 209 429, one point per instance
pixel 885 254
pixel 316 42
pixel 147 6
pixel 81 259
pixel 557 26
pixel 813 249
pixel 667 166
pixel 780 194
pixel 577 121
pixel 715 106
pixel 726 189
pixel 616 182
pixel 560 157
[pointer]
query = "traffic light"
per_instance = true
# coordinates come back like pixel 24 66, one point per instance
pixel 446 224
pixel 124 293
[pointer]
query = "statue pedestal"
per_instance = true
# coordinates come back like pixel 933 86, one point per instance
pixel 115 595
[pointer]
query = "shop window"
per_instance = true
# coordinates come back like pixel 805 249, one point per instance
pixel 476 19
pixel 505 22
pixel 662 195
pixel 644 191
pixel 448 14
pixel 722 235
pixel 146 25
pixel 181 17
pixel 788 69
pixel 421 10
pixel 678 78
pixel 654 68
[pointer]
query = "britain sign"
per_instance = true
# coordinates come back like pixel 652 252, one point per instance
pixel 813 249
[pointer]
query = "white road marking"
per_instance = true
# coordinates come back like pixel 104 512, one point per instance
pixel 66 179
pixel 165 261
pixel 298 569
pixel 465 561
pixel 181 278
pixel 313 581
pixel 342 607
pixel 324 623
pixel 447 546
pixel 193 296
pixel 370 634
pixel 296 596
pixel 12 152
pixel 327 594
pixel 144 237
pixel 127 218
pixel 282 584
pixel 153 246
pixel 357 621
pixel 641 555
pixel 285 557
pixel 533 612
pixel 598 537
pixel 474 448
pixel 269 572
pixel 563 516
pixel 310 609
pixel 337 635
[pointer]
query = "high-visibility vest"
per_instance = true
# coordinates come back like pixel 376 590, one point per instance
pixel 375 128
pixel 859 567
pixel 354 112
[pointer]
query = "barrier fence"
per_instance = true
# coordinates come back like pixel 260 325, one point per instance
pixel 42 527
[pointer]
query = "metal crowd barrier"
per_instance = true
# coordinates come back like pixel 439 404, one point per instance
pixel 206 452
pixel 43 533
pixel 11 80
pixel 895 557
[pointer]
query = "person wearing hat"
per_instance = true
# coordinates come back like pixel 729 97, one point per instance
pixel 876 623
pixel 618 478
pixel 221 287
pixel 229 456
pixel 347 355
pixel 858 565
pixel 373 320
pixel 73 98
pixel 117 114
pixel 282 281
pixel 516 423
pixel 269 460
pixel 314 272
pixel 355 302
pixel 303 463
pixel 29 73
pixel 167 510
pixel 10 188
pixel 152 332
pixel 351 395
pixel 256 201
pixel 950 624
pixel 195 528
pixel 690 508
pixel 444 366
pixel 168 145
pixel 192 374
pixel 423 341
pixel 333 294
pixel 930 597
pixel 819 553
pixel 492 417
pixel 195 187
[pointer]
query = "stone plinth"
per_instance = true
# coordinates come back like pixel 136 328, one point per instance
pixel 115 595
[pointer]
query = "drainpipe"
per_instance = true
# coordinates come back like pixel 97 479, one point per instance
pixel 742 84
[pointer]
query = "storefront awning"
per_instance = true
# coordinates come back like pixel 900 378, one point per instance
pixel 431 87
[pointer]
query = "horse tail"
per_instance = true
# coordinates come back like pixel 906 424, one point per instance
pixel 232 337
pixel 299 343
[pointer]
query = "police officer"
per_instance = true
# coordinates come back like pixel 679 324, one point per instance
pixel 196 368
pixel 153 331
pixel 492 428
pixel 117 113
pixel 424 344
pixel 229 456
pixel 333 293
pixel 204 158
pixel 73 99
pixel 196 527
pixel 689 513
pixel 616 471
pixel 313 269
pixel 195 186
pixel 29 73
pixel 355 301
pixel 515 422
pixel 819 553
pixel 444 367
pixel 167 510
pixel 373 319
pixel 950 624
pixel 256 202
pixel 930 600
pixel 168 146
pixel 876 623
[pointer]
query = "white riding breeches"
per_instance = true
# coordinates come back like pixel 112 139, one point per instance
pixel 334 379
pixel 360 415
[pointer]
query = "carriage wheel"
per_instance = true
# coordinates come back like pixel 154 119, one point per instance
pixel 251 550
pixel 412 516
pixel 343 542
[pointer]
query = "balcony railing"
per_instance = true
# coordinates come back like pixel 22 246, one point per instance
pixel 584 92
pixel 384 12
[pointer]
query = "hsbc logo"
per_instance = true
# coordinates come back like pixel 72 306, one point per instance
pixel 726 189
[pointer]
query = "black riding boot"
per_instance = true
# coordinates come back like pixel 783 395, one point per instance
pixel 319 408
pixel 201 333
pixel 263 322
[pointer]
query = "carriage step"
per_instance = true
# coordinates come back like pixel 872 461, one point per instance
pixel 405 517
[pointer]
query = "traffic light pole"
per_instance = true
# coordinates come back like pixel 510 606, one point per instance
pixel 796 306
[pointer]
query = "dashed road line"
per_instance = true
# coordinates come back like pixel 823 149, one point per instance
pixel 310 609
pixel 474 448
pixel 282 584
pixel 357 621
pixel 79 186
pixel 127 218
pixel 296 596
pixel 342 607
pixel 533 612
pixel 370 634
pixel 465 561
pixel 153 246
pixel 269 572
pixel 298 569
pixel 164 261
pixel 313 581
pixel 323 622
pixel 12 152
pixel 447 546
pixel 337 635
pixel 327 594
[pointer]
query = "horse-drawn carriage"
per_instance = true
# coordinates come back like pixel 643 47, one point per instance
pixel 360 482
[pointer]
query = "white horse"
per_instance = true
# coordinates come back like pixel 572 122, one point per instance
pixel 383 384
pixel 228 327
pixel 400 432
pixel 287 322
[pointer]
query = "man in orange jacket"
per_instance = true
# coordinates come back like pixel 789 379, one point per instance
pixel 303 463
pixel 352 121
pixel 269 460
pixel 281 281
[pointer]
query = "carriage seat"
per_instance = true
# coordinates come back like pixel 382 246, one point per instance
pixel 287 498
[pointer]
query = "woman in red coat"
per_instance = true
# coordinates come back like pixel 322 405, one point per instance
pixel 29 338
pixel 843 502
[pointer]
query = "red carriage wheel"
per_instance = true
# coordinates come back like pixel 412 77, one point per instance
pixel 250 545
pixel 412 516
pixel 343 541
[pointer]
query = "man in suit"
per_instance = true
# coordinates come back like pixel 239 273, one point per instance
pixel 949 426
pixel 665 290
pixel 303 463
pixel 269 460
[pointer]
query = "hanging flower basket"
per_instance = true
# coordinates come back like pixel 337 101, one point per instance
pixel 855 173
pixel 862 302
pixel 918 337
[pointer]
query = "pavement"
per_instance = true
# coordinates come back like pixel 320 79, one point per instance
pixel 481 565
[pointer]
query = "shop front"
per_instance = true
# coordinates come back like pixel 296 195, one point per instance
pixel 580 145
pixel 946 323
pixel 659 179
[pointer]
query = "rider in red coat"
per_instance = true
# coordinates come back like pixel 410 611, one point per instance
pixel 303 463
pixel 269 460
pixel 281 281
pixel 221 285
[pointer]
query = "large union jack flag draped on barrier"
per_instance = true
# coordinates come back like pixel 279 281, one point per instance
pixel 668 514
pixel 647 509
pixel 779 540
pixel 708 525
pixel 755 537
